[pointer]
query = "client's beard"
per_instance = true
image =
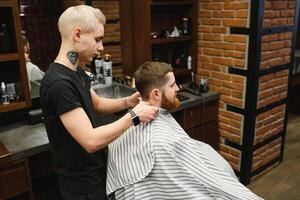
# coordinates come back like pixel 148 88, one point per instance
pixel 169 105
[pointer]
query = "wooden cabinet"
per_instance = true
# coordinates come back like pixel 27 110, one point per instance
pixel 201 122
pixel 12 62
pixel 140 20
pixel 15 180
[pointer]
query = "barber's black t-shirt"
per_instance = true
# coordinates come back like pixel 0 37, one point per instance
pixel 63 90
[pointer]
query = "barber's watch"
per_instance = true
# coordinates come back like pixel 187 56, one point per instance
pixel 135 119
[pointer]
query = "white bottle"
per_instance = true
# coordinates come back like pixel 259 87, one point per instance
pixel 189 63
pixel 99 69
pixel 98 65
pixel 107 70
pixel 4 94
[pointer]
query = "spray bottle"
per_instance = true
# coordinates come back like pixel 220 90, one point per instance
pixel 107 69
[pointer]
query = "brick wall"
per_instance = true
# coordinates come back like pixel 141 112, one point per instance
pixel 276 50
pixel 218 50
pixel 279 13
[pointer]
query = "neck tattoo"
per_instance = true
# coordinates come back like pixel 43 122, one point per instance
pixel 72 56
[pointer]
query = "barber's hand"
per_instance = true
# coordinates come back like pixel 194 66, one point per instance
pixel 133 100
pixel 145 112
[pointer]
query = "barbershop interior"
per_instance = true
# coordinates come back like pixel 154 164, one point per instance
pixel 236 64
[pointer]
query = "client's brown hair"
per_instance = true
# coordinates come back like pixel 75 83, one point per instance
pixel 151 75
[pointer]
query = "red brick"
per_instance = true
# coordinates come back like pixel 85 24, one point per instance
pixel 235 22
pixel 235 38
pixel 239 63
pixel 234 86
pixel 288 43
pixel 267 5
pixel 212 37
pixel 221 76
pixel 212 52
pixel 291 4
pixel 269 38
pixel 204 29
pixel 265 46
pixel 267 23
pixel 229 129
pixel 236 5
pixel 224 91
pixel 240 47
pixel 205 14
pixel 282 73
pixel 214 82
pixel 204 59
pixel 284 52
pixel 216 22
pixel 224 148
pixel 223 61
pixel 265 93
pixel 262 130
pixel 242 13
pixel 212 6
pixel 230 115
pixel 237 79
pixel 287 13
pixel 203 72
pixel 279 22
pixel 234 54
pixel 279 5
pixel 266 55
pixel 287 59
pixel 277 45
pixel 264 65
pixel 224 14
pixel 237 94
pixel 212 67
pixel 271 14
pixel 276 61
pixel 220 29
pixel 266 77
pixel 219 45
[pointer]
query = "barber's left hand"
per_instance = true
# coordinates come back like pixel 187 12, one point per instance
pixel 133 99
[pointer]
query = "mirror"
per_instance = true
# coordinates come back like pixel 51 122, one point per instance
pixel 34 73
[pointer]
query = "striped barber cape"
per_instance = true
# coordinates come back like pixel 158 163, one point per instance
pixel 160 161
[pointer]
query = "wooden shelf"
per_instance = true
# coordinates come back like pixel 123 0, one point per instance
pixel 167 3
pixel 9 57
pixel 13 106
pixel 180 71
pixel 172 40
pixel 5 155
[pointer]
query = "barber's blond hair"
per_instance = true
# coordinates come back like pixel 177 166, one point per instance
pixel 86 17
pixel 151 75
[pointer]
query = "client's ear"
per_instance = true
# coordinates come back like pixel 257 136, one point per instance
pixel 155 94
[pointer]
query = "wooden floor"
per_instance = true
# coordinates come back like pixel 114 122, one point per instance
pixel 283 182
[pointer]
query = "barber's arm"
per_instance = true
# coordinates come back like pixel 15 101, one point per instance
pixel 107 106
pixel 92 139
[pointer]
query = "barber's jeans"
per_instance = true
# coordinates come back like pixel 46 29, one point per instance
pixel 97 195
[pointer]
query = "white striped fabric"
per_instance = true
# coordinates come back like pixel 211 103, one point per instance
pixel 160 161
